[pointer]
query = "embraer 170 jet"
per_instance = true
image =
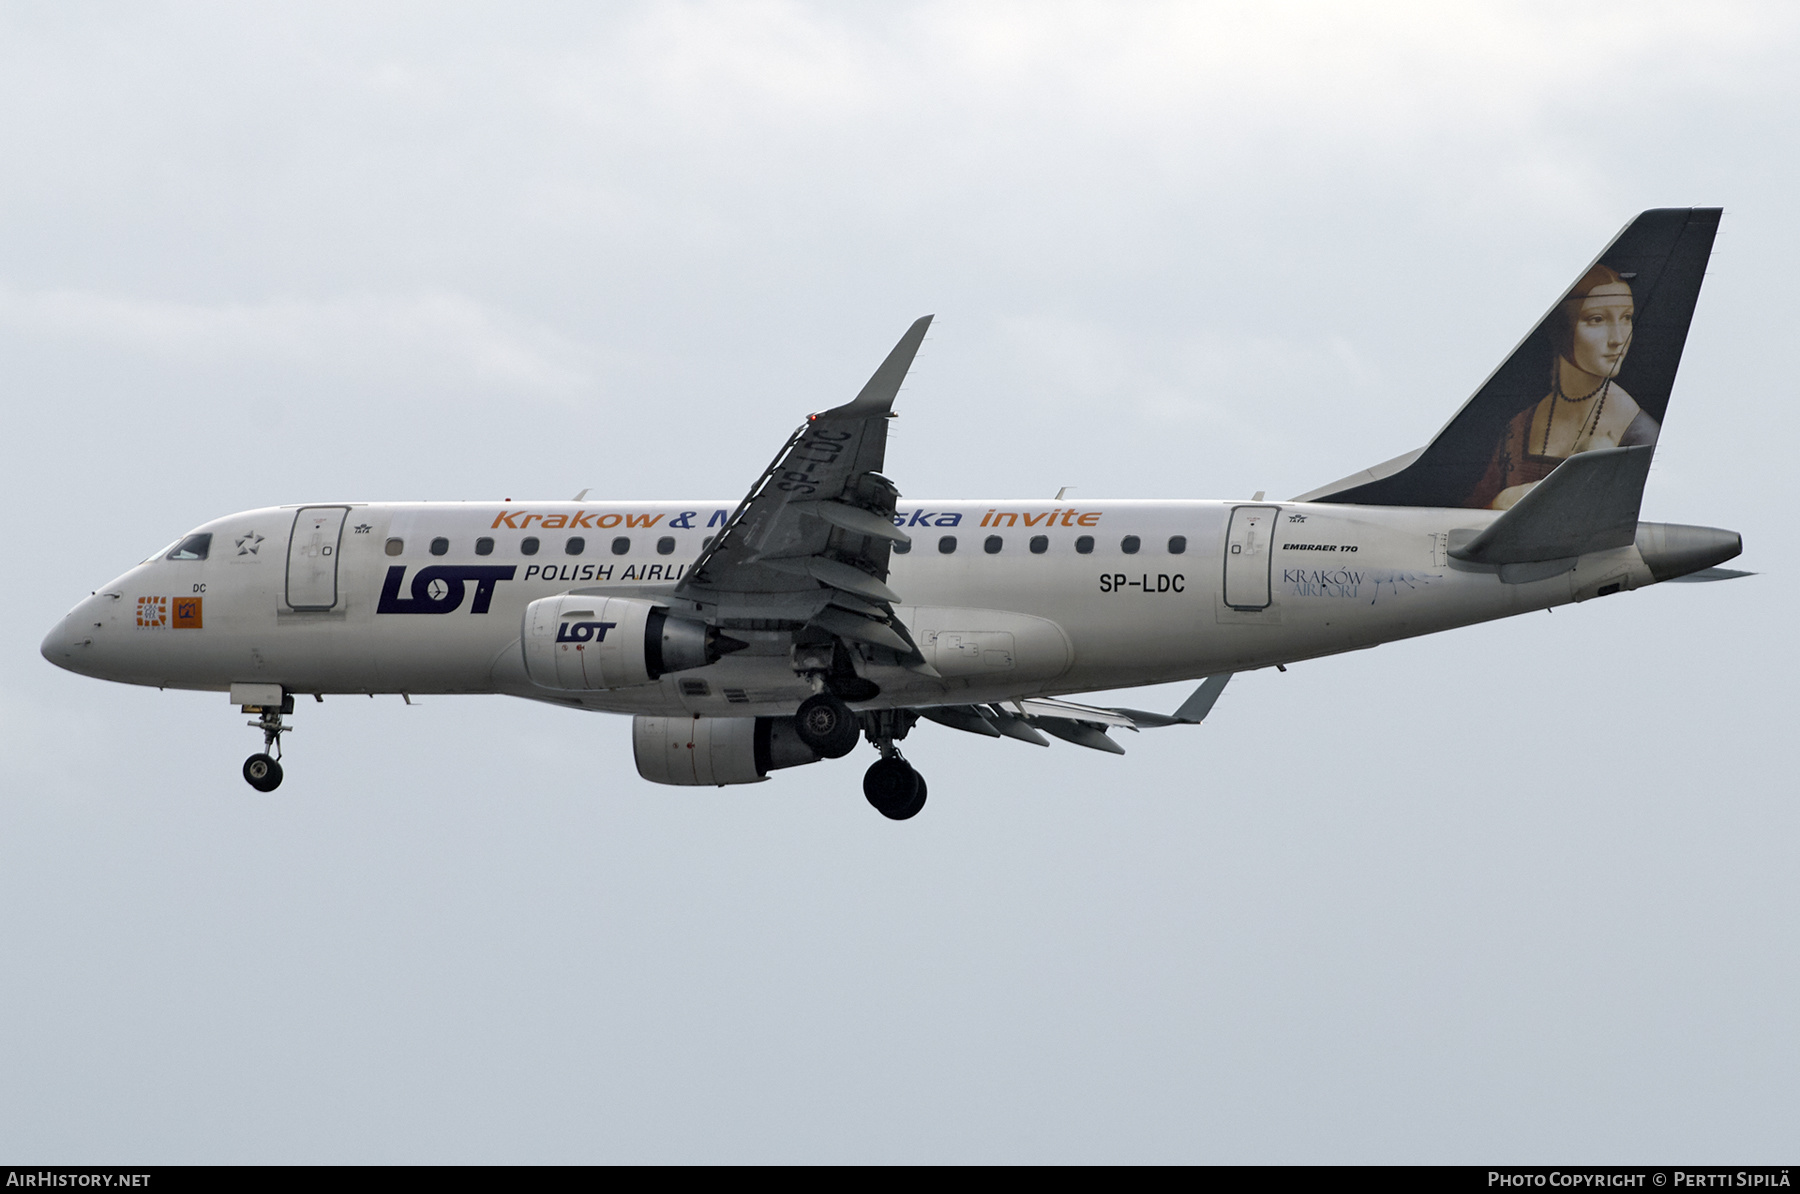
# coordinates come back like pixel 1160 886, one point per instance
pixel 745 637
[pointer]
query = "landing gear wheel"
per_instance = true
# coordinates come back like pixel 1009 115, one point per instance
pixel 917 803
pixel 262 773
pixel 894 789
pixel 826 725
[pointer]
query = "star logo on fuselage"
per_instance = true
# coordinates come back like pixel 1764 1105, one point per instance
pixel 248 543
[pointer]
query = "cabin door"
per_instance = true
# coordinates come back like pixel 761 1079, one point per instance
pixel 1247 556
pixel 312 567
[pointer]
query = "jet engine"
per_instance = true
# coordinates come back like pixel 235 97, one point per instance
pixel 693 751
pixel 577 642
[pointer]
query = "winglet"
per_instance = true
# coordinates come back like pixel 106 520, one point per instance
pixel 1193 711
pixel 1197 706
pixel 877 397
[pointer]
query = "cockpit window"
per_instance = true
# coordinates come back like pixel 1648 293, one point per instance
pixel 159 553
pixel 194 547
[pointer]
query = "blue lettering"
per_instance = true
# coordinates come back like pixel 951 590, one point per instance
pixel 441 589
pixel 685 521
pixel 583 632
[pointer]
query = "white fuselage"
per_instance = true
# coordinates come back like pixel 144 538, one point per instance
pixel 1304 580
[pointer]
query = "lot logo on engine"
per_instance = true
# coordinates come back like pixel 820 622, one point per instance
pixel 583 632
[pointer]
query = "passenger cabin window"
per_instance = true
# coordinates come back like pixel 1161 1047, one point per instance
pixel 194 547
pixel 484 546
pixel 901 548
pixel 395 546
pixel 575 546
pixel 947 545
pixel 440 546
pixel 1130 544
pixel 621 545
pixel 1040 544
pixel 528 545
pixel 1177 544
pixel 1085 545
pixel 993 545
pixel 665 546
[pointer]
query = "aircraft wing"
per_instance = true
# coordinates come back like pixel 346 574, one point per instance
pixel 809 544
pixel 1084 725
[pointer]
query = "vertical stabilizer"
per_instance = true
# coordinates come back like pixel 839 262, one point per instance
pixel 1596 372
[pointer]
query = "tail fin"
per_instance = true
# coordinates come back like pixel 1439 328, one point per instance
pixel 1594 373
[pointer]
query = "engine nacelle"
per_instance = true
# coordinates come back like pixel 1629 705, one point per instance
pixel 693 751
pixel 577 642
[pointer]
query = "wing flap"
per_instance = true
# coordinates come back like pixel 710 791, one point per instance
pixel 817 527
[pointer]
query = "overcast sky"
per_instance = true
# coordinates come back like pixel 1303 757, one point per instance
pixel 1519 892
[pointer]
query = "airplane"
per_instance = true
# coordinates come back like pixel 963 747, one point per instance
pixel 746 637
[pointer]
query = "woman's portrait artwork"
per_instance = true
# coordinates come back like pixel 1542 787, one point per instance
pixel 1586 408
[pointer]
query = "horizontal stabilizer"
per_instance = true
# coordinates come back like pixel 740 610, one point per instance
pixel 1706 574
pixel 1589 503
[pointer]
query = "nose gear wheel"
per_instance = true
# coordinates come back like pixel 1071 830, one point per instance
pixel 262 773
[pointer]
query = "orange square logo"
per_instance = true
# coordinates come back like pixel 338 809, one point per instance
pixel 187 613
pixel 153 612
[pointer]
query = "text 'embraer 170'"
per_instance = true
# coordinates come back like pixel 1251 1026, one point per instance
pixel 749 636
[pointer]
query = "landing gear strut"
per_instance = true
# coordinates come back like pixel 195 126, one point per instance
pixel 262 771
pixel 891 785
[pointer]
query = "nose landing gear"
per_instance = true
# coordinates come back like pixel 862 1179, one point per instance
pixel 262 771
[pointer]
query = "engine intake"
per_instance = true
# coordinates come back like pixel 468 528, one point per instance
pixel 697 751
pixel 576 642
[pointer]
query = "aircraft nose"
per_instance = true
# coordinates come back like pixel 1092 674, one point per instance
pixel 55 646
pixel 65 645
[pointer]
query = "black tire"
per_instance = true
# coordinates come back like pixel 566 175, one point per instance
pixel 893 788
pixel 826 725
pixel 912 807
pixel 262 773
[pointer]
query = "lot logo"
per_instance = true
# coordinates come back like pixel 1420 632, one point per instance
pixel 440 589
pixel 583 632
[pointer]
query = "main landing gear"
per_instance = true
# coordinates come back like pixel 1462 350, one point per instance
pixel 894 788
pixel 891 785
pixel 262 771
pixel 827 725
pixel 830 728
